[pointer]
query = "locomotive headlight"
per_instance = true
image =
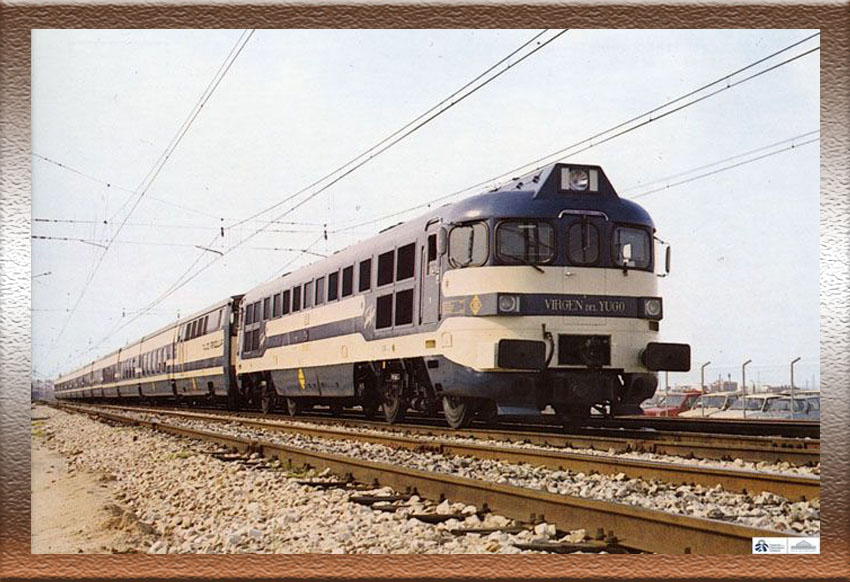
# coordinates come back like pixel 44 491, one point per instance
pixel 578 179
pixel 508 303
pixel 652 308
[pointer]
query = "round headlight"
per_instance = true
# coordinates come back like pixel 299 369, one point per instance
pixel 652 307
pixel 508 303
pixel 579 179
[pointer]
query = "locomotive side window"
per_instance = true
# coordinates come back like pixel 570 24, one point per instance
pixel 348 281
pixel 582 243
pixel 286 295
pixel 333 286
pixel 406 262
pixel 432 247
pixel 296 298
pixel 468 245
pixel 276 305
pixel 308 294
pixel 267 308
pixel 365 275
pixel 404 307
pixel 385 268
pixel 525 242
pixel 384 312
pixel 632 248
pixel 320 290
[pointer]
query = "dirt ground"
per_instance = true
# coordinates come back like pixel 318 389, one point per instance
pixel 73 512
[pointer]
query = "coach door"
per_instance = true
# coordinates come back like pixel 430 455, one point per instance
pixel 429 280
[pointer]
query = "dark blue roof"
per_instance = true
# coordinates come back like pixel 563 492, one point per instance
pixel 539 195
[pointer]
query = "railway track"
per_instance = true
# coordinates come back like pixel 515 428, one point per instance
pixel 688 445
pixel 750 427
pixel 630 527
pixel 793 487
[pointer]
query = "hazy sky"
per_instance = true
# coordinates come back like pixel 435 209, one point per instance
pixel 297 104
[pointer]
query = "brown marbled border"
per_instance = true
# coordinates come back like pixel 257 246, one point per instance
pixel 15 24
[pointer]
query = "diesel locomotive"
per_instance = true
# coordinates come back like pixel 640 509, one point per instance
pixel 542 292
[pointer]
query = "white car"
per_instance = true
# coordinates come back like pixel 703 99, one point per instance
pixel 781 408
pixel 754 403
pixel 709 404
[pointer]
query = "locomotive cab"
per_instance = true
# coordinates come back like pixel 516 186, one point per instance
pixel 552 282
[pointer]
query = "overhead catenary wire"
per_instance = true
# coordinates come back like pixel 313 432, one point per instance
pixel 148 181
pixel 717 162
pixel 592 140
pixel 381 147
pixel 101 243
pixel 727 168
pixel 417 122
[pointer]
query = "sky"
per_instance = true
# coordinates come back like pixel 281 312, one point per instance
pixel 296 104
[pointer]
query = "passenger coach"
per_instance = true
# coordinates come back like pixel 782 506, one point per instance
pixel 188 359
pixel 542 292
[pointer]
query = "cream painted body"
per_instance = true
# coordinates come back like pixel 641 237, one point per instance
pixel 471 341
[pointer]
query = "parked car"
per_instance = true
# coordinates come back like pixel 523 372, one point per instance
pixel 784 408
pixel 708 404
pixel 673 403
pixel 753 403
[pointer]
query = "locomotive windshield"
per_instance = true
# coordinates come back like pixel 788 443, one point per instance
pixel 632 247
pixel 468 245
pixel 525 242
pixel 583 243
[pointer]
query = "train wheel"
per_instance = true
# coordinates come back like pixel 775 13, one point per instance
pixel 268 400
pixel 293 406
pixel 394 407
pixel 458 411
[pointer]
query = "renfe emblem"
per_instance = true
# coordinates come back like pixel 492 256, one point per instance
pixel 302 381
pixel 475 305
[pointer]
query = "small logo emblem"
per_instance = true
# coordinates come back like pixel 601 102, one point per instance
pixel 761 546
pixel 302 380
pixel 475 305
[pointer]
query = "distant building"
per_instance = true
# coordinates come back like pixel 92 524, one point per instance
pixel 723 386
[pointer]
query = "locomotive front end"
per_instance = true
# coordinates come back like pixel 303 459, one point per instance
pixel 551 298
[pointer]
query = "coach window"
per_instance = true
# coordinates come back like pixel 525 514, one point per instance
pixel 286 296
pixel 296 298
pixel 468 245
pixel 348 281
pixel 276 305
pixel 365 281
pixel 525 242
pixel 249 314
pixel 308 294
pixel 267 308
pixel 258 315
pixel 404 307
pixel 320 290
pixel 386 266
pixel 384 311
pixel 632 248
pixel 333 286
pixel 406 262
pixel 206 323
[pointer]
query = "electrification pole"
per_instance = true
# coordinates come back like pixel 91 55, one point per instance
pixel 744 385
pixel 702 384
pixel 794 361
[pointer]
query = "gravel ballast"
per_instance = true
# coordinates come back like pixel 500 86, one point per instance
pixel 185 500
pixel 764 510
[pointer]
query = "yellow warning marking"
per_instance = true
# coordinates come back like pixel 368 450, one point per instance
pixel 475 305
pixel 302 381
pixel 195 383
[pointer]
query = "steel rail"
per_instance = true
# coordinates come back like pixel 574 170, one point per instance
pixel 689 445
pixel 633 527
pixel 793 487
pixel 750 427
